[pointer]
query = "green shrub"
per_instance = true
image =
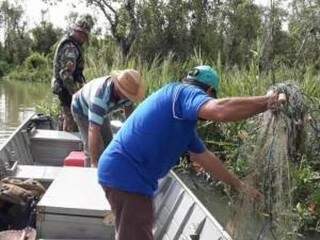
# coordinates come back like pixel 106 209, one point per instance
pixel 34 69
pixel 4 68
pixel 51 108
pixel 36 61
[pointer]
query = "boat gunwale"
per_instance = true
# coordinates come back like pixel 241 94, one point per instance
pixel 15 132
pixel 202 207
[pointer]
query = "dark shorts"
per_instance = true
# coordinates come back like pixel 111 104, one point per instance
pixel 65 98
pixel 133 213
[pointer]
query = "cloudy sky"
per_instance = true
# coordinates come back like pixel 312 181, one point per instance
pixel 56 14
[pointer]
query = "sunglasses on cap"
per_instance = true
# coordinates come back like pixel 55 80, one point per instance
pixel 193 74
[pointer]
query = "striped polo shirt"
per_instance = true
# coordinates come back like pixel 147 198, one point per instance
pixel 93 101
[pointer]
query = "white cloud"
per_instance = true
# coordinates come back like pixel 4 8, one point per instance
pixel 57 13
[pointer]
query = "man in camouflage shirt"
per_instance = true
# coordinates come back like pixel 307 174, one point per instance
pixel 68 67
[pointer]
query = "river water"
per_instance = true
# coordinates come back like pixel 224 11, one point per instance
pixel 17 102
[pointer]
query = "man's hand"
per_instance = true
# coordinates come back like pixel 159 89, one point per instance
pixel 94 165
pixel 275 100
pixel 252 193
pixel 211 163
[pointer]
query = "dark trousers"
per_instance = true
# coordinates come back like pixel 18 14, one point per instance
pixel 133 213
pixel 68 124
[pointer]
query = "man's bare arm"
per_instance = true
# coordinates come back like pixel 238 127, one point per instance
pixel 95 143
pixel 236 108
pixel 211 163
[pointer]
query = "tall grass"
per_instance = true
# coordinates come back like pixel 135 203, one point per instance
pixel 104 58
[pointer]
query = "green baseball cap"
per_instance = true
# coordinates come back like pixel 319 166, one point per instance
pixel 205 74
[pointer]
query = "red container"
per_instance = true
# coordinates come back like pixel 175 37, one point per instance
pixel 75 159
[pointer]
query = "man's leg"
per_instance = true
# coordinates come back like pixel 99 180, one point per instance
pixel 133 213
pixel 83 126
pixel 69 124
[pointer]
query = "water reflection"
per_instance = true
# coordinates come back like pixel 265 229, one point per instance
pixel 17 102
pixel 221 208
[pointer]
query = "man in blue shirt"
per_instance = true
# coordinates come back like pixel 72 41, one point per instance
pixel 95 100
pixel 153 138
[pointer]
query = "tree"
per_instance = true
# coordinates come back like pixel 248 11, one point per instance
pixel 242 27
pixel 4 66
pixel 123 21
pixel 122 18
pixel 304 27
pixel 204 27
pixel 17 43
pixel 44 37
pixel 17 47
pixel 149 45
pixel 275 41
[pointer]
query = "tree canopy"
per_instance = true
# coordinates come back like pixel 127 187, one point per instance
pixel 234 32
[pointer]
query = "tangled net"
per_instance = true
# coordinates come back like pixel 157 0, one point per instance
pixel 277 149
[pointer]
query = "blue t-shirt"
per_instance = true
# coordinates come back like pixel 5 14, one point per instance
pixel 152 139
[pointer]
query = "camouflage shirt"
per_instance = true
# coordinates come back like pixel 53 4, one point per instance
pixel 68 66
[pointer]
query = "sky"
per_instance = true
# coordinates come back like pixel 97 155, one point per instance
pixel 57 14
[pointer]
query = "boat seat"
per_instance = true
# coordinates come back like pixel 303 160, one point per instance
pixel 50 147
pixel 75 159
pixel 74 207
pixel 43 174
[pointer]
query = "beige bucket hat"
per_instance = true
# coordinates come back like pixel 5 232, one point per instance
pixel 130 84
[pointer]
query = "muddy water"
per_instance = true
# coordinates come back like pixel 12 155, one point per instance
pixel 222 208
pixel 17 102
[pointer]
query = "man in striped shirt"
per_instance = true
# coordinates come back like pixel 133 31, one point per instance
pixel 95 100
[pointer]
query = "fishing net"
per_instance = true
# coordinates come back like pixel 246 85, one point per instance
pixel 271 155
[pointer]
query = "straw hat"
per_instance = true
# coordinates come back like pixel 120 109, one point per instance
pixel 130 84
